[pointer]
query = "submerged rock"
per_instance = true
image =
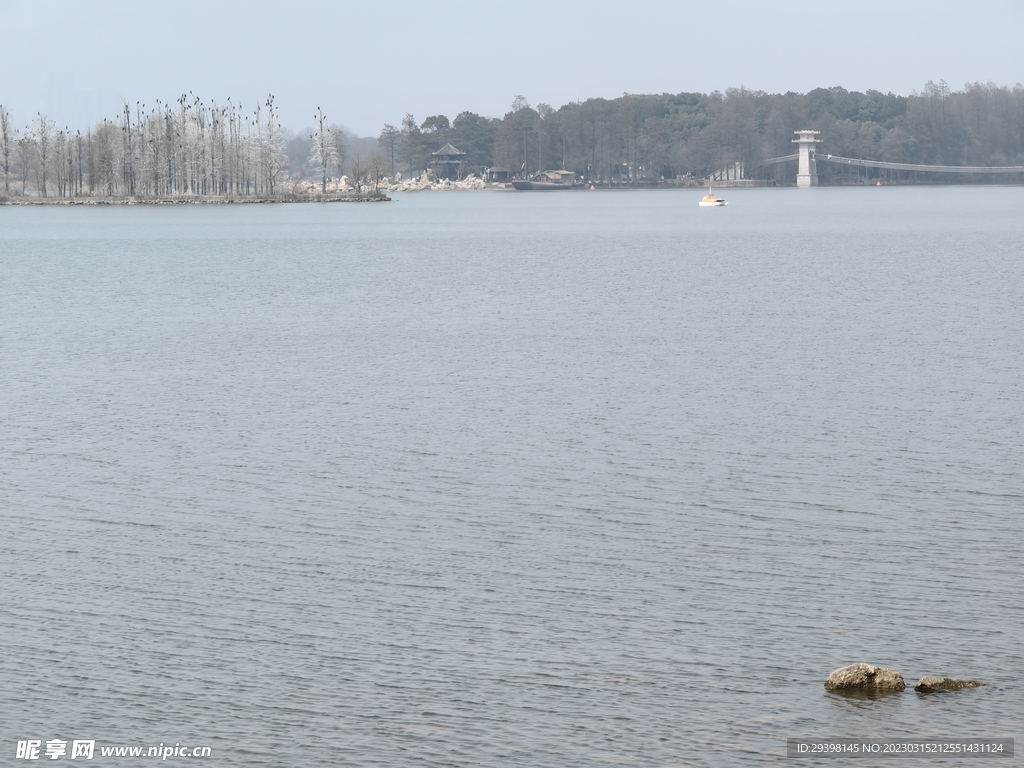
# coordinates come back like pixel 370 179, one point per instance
pixel 933 684
pixel 864 678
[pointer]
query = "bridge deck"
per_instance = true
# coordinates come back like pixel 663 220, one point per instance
pixel 774 161
pixel 853 161
pixel 916 167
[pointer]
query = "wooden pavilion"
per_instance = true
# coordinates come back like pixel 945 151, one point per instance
pixel 448 163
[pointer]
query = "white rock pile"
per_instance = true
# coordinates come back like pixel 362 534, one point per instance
pixel 426 184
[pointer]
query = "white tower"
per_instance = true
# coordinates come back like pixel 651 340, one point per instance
pixel 807 171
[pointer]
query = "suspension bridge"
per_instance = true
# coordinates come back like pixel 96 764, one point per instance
pixel 807 159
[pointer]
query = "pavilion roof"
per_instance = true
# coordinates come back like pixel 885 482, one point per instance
pixel 448 149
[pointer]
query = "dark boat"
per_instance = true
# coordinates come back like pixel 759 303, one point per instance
pixel 548 180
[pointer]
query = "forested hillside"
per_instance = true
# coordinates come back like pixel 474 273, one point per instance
pixel 650 137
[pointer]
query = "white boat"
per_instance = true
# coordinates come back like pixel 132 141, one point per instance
pixel 710 200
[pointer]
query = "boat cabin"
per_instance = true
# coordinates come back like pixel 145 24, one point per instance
pixel 556 177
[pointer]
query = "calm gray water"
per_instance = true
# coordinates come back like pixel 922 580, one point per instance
pixel 511 479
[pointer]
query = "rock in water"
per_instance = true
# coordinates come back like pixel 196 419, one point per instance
pixel 866 679
pixel 933 684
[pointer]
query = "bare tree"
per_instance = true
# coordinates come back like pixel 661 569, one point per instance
pixel 8 135
pixel 377 162
pixel 106 159
pixel 360 170
pixel 78 149
pixel 25 160
pixel 127 150
pixel 388 141
pixel 323 153
pixel 275 161
pixel 340 149
pixel 61 164
pixel 42 137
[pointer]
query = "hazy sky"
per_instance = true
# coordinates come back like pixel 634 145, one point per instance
pixel 368 63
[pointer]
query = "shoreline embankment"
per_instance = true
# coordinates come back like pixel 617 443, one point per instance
pixel 196 200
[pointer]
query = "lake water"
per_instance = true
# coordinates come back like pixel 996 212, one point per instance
pixel 511 479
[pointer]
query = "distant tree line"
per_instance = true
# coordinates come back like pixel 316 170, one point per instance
pixel 193 147
pixel 651 137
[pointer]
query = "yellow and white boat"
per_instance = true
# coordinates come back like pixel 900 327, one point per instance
pixel 710 200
